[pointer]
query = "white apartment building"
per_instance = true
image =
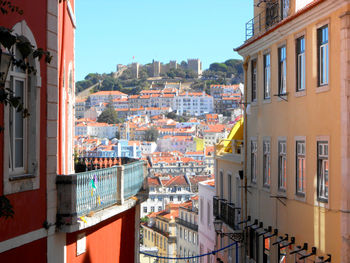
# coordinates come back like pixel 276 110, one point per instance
pixel 194 103
pixel 96 129
pixel 79 108
pixel 165 190
pixel 206 232
pixel 212 136
pixel 106 96
pixel 121 103
pixel 148 147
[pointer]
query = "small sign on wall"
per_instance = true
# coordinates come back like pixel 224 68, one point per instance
pixel 81 244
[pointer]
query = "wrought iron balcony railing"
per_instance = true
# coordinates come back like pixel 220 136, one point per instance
pixel 230 215
pixel 223 209
pixel 271 15
pixel 186 224
pixel 82 193
pixel 216 206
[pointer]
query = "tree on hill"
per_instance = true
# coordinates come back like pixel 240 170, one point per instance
pixel 151 135
pixel 109 115
pixel 218 67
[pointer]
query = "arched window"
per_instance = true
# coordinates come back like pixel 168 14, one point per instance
pixel 21 144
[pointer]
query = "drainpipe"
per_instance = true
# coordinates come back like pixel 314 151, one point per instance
pixel 245 187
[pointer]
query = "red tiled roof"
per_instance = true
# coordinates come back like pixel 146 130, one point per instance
pixel 177 180
pixel 153 181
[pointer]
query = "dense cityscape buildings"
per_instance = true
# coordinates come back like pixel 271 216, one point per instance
pixel 177 171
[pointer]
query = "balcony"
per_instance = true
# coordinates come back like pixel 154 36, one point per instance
pixel 216 206
pixel 91 193
pixel 231 150
pixel 270 15
pixel 225 211
pixel 186 224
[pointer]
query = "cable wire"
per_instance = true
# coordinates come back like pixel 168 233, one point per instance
pixel 198 256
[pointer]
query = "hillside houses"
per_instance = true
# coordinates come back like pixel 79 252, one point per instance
pixel 168 189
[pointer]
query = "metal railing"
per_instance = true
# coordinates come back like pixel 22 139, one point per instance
pixel 271 15
pixel 186 224
pixel 133 178
pixel 82 193
pixel 231 215
pixel 216 206
pixel 229 146
pixel 223 209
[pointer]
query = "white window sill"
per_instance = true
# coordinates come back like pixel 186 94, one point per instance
pixel 282 97
pixel 300 198
pixel 321 89
pixel 322 204
pixel 21 177
pixel 282 192
pixel 20 183
pixel 300 93
pixel 254 103
pixel 266 189
pixel 267 100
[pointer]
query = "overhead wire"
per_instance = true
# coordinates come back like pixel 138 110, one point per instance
pixel 192 257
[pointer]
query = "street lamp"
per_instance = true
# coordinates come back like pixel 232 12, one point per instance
pixel 233 236
pixel 5 62
pixel 217 225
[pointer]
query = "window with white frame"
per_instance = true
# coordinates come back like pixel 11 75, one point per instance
pixel 267 76
pixel 229 187
pixel 18 132
pixel 322 51
pixel 282 165
pixel 282 70
pixel 21 146
pixel 322 171
pixel 285 8
pixel 221 184
pixel 300 168
pixel 266 163
pixel 254 79
pixel 300 53
pixel 253 161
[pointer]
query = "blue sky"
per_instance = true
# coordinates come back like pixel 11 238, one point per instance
pixel 111 32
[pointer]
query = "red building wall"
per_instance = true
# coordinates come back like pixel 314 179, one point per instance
pixel 34 252
pixel 29 206
pixel 66 31
pixel 110 241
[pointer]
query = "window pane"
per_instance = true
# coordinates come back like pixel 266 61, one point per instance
pixel 18 153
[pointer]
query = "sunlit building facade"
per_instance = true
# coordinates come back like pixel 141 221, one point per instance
pixel 296 61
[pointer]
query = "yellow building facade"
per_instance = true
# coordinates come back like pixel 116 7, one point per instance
pixel 297 130
pixel 160 232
